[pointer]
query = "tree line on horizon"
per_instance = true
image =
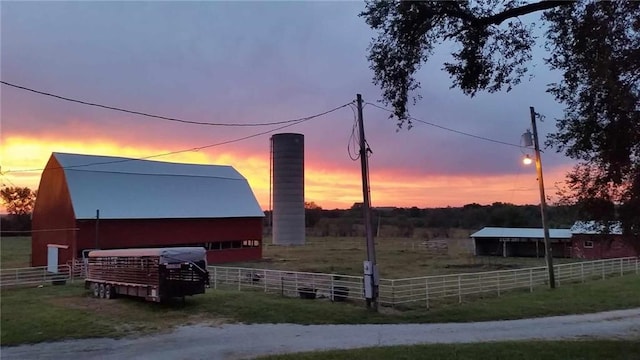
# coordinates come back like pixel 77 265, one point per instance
pixel 412 221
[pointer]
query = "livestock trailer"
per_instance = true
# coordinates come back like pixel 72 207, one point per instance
pixel 155 274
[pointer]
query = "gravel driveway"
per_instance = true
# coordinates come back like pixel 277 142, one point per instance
pixel 240 341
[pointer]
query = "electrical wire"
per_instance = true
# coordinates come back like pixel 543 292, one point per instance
pixel 190 149
pixel 161 117
pixel 449 129
pixel 7 178
pixel 355 155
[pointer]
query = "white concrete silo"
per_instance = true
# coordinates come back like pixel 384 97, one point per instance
pixel 287 156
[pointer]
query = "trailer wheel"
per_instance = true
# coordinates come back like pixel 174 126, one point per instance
pixel 109 292
pixel 96 290
pixel 102 291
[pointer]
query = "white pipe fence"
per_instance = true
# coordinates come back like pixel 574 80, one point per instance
pixel 287 283
pixel 34 275
pixel 421 291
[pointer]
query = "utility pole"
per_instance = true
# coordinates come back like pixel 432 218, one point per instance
pixel 97 222
pixel 370 267
pixel 543 203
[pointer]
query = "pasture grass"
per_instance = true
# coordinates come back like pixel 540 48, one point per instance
pixel 48 313
pixel 15 252
pixel 521 350
pixel 396 258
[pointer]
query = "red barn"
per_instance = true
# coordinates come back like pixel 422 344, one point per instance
pixel 592 241
pixel 89 202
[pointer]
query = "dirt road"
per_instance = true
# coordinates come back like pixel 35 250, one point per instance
pixel 240 341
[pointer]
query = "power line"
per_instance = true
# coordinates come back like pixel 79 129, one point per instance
pixel 353 142
pixel 194 148
pixel 451 130
pixel 167 118
pixel 6 178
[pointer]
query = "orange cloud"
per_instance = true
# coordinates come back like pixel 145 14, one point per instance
pixel 327 185
pixel 20 153
pixel 342 189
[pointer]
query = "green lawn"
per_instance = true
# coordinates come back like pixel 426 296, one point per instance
pixel 59 312
pixel 15 252
pixel 520 350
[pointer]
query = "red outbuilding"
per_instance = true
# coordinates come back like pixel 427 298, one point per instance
pixel 590 240
pixel 98 202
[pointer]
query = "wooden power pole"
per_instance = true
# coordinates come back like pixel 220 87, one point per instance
pixel 543 203
pixel 370 267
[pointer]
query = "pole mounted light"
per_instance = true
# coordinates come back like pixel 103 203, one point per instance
pixel 531 139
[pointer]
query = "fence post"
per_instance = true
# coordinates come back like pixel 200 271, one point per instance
pixel 393 293
pixel 603 274
pixel 239 279
pixel 637 260
pixel 296 280
pixel 459 290
pixel 530 280
pixel 558 275
pixel 333 285
pixel 621 267
pixel 426 287
pixel 498 280
pixel 264 279
pixel 215 278
pixel 582 272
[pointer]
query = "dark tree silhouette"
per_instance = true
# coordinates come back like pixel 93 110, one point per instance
pixel 595 44
pixel 18 200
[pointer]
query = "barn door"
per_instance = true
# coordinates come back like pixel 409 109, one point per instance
pixel 52 259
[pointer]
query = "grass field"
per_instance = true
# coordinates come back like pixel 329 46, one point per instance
pixel 521 350
pixel 396 257
pixel 15 252
pixel 61 312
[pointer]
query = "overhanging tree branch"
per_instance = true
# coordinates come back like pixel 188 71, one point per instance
pixel 498 18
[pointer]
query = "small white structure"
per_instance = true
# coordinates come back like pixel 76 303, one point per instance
pixel 528 242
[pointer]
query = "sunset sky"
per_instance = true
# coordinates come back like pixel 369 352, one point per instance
pixel 247 62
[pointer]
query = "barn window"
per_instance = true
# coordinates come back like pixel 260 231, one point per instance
pixel 588 244
pixel 237 244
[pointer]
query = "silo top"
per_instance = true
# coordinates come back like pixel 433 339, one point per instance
pixel 288 135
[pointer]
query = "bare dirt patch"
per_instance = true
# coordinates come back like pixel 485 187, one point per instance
pixel 94 305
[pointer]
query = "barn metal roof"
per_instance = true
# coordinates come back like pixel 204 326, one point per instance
pixel 123 188
pixel 166 255
pixel 531 233
pixel 593 228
